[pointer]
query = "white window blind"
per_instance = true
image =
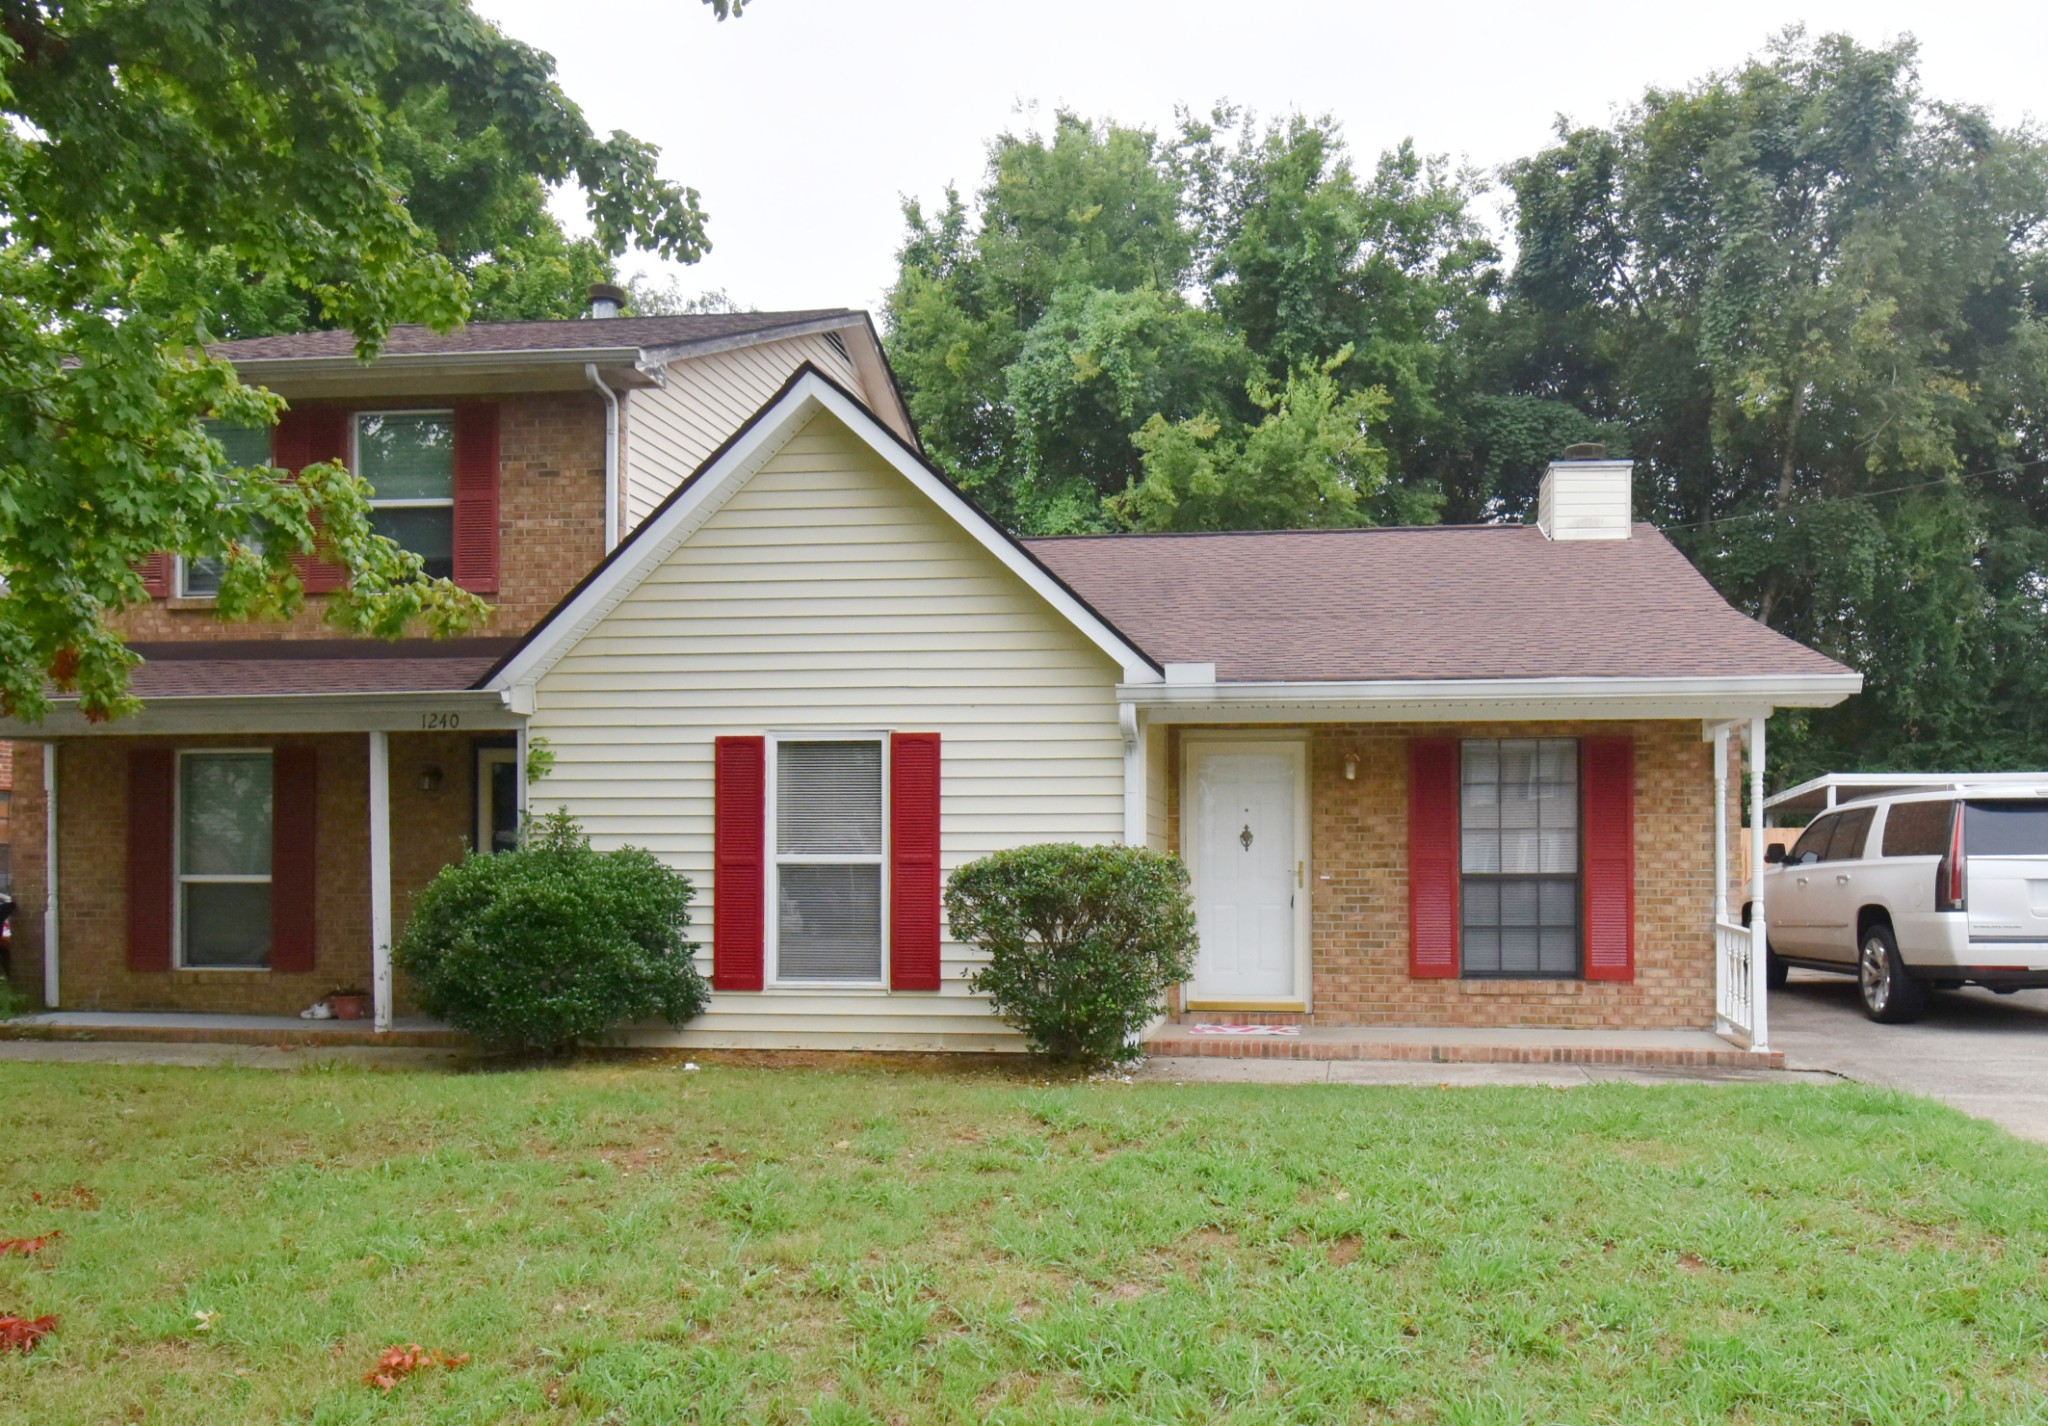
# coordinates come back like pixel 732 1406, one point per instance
pixel 224 859
pixel 828 860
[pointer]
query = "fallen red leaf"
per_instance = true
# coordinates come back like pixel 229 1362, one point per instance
pixel 398 1363
pixel 20 1334
pixel 22 1247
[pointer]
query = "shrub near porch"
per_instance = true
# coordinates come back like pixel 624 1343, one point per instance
pixel 637 1244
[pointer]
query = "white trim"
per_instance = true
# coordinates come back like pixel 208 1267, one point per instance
pixel 1296 742
pixel 50 918
pixel 713 484
pixel 772 861
pixel 179 878
pixel 1397 699
pixel 281 713
pixel 1759 932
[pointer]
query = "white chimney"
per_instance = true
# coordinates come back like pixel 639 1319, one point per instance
pixel 1585 496
pixel 606 300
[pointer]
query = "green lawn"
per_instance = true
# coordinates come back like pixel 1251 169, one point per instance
pixel 625 1243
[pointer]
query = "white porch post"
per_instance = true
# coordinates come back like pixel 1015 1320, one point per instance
pixel 1721 822
pixel 380 878
pixel 1759 940
pixel 1134 774
pixel 50 989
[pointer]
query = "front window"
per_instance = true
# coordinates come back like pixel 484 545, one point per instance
pixel 1812 845
pixel 224 860
pixel 245 447
pixel 1519 821
pixel 408 458
pixel 828 845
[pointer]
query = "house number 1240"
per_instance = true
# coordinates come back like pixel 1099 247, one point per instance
pixel 445 722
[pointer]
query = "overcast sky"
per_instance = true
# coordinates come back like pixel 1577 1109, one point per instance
pixel 804 123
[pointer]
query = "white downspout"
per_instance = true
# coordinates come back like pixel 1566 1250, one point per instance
pixel 611 456
pixel 50 989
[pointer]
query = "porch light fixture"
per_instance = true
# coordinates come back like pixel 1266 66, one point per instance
pixel 1351 767
pixel 430 778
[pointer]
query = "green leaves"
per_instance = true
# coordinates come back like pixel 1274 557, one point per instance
pixel 553 945
pixel 1082 942
pixel 176 171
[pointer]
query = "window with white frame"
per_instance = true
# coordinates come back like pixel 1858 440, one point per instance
pixel 1518 819
pixel 224 812
pixel 828 849
pixel 244 446
pixel 408 458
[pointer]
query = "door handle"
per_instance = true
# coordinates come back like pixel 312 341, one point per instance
pixel 1841 878
pixel 1799 880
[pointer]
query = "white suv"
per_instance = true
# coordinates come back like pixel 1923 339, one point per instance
pixel 1916 891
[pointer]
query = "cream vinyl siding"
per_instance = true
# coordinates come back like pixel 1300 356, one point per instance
pixel 1156 774
pixel 829 595
pixel 672 428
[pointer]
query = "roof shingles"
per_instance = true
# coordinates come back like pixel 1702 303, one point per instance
pixel 1442 602
pixel 499 338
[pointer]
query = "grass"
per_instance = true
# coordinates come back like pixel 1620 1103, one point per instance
pixel 625 1244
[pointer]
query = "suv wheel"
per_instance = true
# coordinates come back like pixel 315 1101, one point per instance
pixel 1890 994
pixel 1776 972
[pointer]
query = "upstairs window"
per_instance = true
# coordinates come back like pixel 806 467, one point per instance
pixel 245 446
pixel 1519 856
pixel 828 847
pixel 408 458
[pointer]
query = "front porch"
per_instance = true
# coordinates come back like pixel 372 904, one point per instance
pixel 1511 1045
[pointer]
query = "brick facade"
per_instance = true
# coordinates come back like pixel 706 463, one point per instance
pixel 550 527
pixel 429 829
pixel 1359 880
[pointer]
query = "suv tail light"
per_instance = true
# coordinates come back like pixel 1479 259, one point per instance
pixel 1950 884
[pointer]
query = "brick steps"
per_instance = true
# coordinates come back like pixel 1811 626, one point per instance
pixel 1450 1048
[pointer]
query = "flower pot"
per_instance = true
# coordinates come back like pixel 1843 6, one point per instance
pixel 349 1007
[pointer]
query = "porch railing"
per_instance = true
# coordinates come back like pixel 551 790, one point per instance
pixel 1735 979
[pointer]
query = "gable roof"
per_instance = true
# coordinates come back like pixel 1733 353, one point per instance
pixel 1433 602
pixel 577 334
pixel 804 395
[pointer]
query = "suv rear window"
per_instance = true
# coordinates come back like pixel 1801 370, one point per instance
pixel 1916 829
pixel 2006 829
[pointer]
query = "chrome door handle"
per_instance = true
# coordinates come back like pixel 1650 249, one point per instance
pixel 1841 878
pixel 1799 880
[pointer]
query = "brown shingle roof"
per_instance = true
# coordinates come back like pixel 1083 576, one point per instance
pixel 486 338
pixel 257 668
pixel 1454 601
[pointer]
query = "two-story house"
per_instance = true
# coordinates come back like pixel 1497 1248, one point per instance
pixel 243 843
pixel 1462 778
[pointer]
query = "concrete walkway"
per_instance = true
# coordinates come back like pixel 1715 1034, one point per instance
pixel 1188 1069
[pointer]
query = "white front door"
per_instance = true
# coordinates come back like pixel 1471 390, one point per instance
pixel 1248 870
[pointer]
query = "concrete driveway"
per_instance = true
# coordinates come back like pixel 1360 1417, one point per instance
pixel 1985 1054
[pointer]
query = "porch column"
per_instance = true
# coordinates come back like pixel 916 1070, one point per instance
pixel 1759 940
pixel 1721 822
pixel 1134 774
pixel 50 996
pixel 380 878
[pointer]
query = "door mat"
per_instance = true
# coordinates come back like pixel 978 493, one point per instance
pixel 1244 1029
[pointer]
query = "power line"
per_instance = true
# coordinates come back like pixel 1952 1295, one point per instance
pixel 2022 467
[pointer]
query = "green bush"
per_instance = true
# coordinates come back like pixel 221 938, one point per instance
pixel 1082 942
pixel 553 944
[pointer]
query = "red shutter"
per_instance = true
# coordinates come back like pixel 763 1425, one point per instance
pixel 913 861
pixel 1607 822
pixel 293 869
pixel 476 496
pixel 1433 857
pixel 307 436
pixel 156 576
pixel 738 873
pixel 151 800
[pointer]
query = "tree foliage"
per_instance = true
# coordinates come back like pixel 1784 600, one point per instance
pixel 1806 298
pixel 176 171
